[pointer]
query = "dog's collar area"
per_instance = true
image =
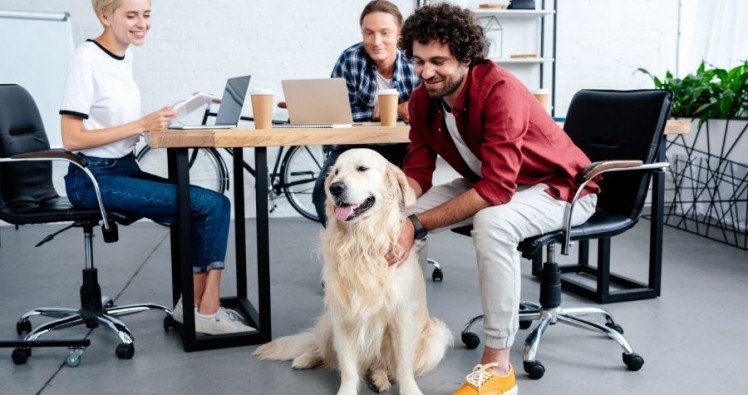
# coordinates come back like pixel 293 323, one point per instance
pixel 348 212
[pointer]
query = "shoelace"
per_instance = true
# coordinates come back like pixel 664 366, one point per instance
pixel 479 375
pixel 231 315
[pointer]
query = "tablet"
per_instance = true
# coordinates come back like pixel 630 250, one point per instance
pixel 195 102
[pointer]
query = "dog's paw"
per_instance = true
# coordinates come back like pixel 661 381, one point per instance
pixel 306 360
pixel 378 381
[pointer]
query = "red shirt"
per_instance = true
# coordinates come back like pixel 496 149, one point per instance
pixel 505 127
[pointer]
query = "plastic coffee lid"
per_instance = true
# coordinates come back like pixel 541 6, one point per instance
pixel 388 92
pixel 261 92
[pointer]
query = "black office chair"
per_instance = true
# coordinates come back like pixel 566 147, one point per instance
pixel 27 196
pixel 621 132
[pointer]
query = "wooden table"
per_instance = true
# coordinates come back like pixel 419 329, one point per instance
pixel 177 142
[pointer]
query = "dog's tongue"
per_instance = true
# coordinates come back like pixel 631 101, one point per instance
pixel 342 213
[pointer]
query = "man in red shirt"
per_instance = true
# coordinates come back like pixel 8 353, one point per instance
pixel 517 166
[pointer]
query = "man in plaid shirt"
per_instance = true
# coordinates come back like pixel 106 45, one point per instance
pixel 373 64
pixel 361 76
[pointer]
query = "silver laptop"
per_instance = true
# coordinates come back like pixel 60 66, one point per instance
pixel 230 110
pixel 321 103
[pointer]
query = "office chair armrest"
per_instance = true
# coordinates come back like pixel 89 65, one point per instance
pixel 59 154
pixel 596 168
pixel 589 173
pixel 55 154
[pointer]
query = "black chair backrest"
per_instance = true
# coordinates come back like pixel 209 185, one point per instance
pixel 22 130
pixel 608 125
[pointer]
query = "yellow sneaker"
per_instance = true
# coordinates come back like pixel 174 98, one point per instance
pixel 484 380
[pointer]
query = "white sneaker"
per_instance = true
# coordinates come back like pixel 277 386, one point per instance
pixel 223 322
pixel 178 313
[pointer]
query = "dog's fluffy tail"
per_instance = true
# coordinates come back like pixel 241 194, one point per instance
pixel 435 339
pixel 288 347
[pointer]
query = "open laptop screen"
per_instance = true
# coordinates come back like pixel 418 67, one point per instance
pixel 232 101
pixel 322 101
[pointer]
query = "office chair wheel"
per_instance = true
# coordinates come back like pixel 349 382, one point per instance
pixel 615 327
pixel 470 340
pixel 74 357
pixel 125 351
pixel 437 275
pixel 534 369
pixel 23 326
pixel 633 361
pixel 169 323
pixel 526 306
pixel 20 355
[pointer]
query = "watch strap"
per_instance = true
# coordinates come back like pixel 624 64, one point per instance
pixel 419 231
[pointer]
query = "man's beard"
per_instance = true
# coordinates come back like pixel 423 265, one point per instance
pixel 449 87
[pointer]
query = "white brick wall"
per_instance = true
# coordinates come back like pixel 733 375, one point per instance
pixel 195 45
pixel 602 42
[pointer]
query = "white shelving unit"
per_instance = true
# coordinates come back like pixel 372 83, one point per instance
pixel 507 14
pixel 525 34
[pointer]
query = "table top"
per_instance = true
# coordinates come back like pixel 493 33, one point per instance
pixel 249 137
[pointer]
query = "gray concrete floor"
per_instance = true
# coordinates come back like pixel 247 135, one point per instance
pixel 693 337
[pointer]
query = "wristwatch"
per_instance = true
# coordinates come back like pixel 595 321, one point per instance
pixel 420 231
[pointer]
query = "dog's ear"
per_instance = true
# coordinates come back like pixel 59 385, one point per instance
pixel 405 193
pixel 328 180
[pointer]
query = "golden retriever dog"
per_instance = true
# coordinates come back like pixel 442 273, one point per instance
pixel 375 323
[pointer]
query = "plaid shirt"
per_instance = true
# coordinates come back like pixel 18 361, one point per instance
pixel 359 71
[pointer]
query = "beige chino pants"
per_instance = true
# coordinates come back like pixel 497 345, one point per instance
pixel 497 230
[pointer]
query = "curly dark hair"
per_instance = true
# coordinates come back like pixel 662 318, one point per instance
pixel 448 24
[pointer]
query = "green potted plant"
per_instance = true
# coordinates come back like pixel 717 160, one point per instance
pixel 709 93
pixel 709 165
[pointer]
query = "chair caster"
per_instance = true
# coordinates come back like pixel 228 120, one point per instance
pixel 470 340
pixel 633 361
pixel 74 357
pixel 169 323
pixel 20 355
pixel 125 351
pixel 437 275
pixel 524 324
pixel 534 369
pixel 23 326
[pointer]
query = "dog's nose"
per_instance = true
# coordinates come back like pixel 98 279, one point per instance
pixel 337 188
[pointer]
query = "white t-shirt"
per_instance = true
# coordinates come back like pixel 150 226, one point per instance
pixel 100 89
pixel 382 84
pixel 472 161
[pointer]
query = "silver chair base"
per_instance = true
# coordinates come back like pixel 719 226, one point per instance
pixel 66 318
pixel 543 318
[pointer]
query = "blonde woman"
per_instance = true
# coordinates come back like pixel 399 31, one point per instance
pixel 101 121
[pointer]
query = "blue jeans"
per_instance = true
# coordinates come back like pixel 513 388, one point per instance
pixel 394 153
pixel 127 189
